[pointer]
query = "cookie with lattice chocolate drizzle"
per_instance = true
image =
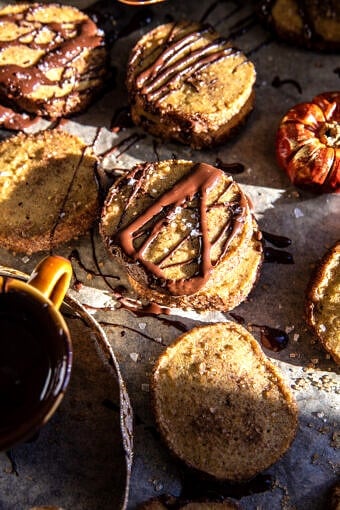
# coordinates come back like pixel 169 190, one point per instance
pixel 185 234
pixel 52 59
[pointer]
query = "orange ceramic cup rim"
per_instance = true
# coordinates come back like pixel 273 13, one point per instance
pixel 46 407
pixel 140 2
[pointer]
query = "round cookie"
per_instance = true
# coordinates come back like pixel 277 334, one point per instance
pixel 170 503
pixel 323 302
pixel 48 190
pixel 185 234
pixel 52 59
pixel 312 24
pixel 308 143
pixel 186 83
pixel 221 406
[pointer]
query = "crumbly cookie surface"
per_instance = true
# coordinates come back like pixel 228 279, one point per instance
pixel 185 234
pixel 221 406
pixel 187 83
pixel 48 190
pixel 323 302
pixel 52 59
pixel 312 24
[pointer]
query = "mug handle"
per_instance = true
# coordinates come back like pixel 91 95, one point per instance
pixel 52 278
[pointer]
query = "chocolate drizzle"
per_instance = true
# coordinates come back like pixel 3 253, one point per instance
pixel 66 198
pixel 64 48
pixel 11 119
pixel 230 168
pixel 308 12
pixel 181 59
pixel 148 225
pixel 273 255
pixel 276 240
pixel 279 256
pixel 273 339
pixel 121 119
pixel 277 83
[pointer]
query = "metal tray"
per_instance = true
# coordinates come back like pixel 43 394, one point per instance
pixel 286 75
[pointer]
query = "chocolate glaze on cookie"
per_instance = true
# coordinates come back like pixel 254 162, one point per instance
pixel 176 63
pixel 188 83
pixel 202 178
pixel 313 24
pixel 53 61
pixel 185 233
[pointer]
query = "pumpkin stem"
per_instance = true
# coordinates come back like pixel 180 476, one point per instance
pixel 329 134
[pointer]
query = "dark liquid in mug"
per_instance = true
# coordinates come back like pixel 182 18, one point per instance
pixel 26 375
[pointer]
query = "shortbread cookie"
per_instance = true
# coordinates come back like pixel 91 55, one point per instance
pixel 173 504
pixel 323 302
pixel 52 59
pixel 308 143
pixel 48 190
pixel 313 24
pixel 221 406
pixel 187 83
pixel 185 234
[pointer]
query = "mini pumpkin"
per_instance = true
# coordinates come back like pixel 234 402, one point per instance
pixel 308 143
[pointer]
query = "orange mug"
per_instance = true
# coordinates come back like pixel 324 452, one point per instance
pixel 140 2
pixel 35 349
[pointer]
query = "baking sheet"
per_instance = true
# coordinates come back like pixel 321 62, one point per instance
pixel 303 477
pixel 82 457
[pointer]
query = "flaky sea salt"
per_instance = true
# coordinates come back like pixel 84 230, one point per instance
pixel 142 325
pixel 298 213
pixel 134 356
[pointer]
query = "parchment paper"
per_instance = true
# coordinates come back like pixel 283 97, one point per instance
pixel 302 478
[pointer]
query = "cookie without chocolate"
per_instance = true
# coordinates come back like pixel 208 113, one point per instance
pixel 221 406
pixel 323 302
